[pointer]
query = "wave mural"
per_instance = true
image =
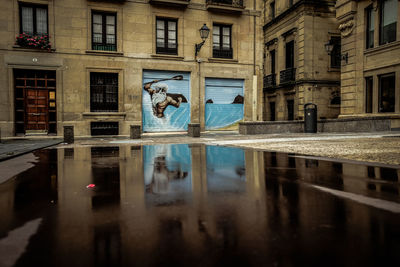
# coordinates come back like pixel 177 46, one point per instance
pixel 223 104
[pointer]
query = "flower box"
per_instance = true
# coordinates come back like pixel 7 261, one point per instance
pixel 34 41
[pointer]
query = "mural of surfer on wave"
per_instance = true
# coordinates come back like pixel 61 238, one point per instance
pixel 160 99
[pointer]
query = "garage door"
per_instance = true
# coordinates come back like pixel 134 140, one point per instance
pixel 166 104
pixel 224 104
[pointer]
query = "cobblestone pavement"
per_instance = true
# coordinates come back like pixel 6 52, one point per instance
pixel 384 150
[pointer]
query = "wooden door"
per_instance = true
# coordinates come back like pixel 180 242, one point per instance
pixel 35 101
pixel 36 109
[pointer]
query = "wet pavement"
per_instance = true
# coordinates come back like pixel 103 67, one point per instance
pixel 11 148
pixel 196 205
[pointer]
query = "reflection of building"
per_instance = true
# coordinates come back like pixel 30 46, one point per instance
pixel 276 211
pixel 297 69
pixel 95 56
pixel 370 80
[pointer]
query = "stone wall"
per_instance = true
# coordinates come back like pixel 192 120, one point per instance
pixel 73 58
pixel 370 124
pixel 310 25
pixel 365 62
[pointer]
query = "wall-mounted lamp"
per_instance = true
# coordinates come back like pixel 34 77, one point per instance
pixel 329 48
pixel 204 31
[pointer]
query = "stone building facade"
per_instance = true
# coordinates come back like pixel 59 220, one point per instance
pixel 101 53
pixel 297 68
pixel 370 82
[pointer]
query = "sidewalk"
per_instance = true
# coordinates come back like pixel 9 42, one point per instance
pixel 11 148
pixel 376 147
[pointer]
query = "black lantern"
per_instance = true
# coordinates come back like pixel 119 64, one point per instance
pixel 204 32
pixel 329 47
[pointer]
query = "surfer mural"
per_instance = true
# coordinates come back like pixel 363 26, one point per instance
pixel 165 101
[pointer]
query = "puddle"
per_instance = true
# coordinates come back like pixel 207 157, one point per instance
pixel 198 205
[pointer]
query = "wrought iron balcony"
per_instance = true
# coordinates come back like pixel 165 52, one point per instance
pixel 112 1
pixel 269 81
pixel 171 3
pixel 222 53
pixel 235 6
pixel 287 76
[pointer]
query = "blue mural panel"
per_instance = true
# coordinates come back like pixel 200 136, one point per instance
pixel 165 101
pixel 224 103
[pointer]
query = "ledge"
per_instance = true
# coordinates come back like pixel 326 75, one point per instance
pixel 30 49
pixel 355 124
pixel 222 60
pixel 294 7
pixel 104 53
pixel 176 3
pixel 270 122
pixel 104 114
pixel 373 116
pixel 382 48
pixel 217 7
pixel 167 57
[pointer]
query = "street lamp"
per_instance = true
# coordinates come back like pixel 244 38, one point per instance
pixel 204 31
pixel 329 48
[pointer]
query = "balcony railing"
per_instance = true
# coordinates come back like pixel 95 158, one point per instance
pixel 225 6
pixel 287 76
pixel 222 53
pixel 269 81
pixel 111 1
pixel 171 3
pixel 233 3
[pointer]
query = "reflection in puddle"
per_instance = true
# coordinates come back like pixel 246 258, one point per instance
pixel 167 169
pixel 225 169
pixel 198 205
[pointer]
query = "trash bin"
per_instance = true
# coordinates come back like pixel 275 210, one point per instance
pixel 310 118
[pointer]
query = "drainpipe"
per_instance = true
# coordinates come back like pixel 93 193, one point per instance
pixel 200 102
pixel 255 93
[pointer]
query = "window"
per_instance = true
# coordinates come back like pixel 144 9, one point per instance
pixel 166 38
pixel 290 55
pixel 386 92
pixel 388 21
pixel 33 19
pixel 272 9
pixel 103 92
pixel 336 51
pixel 104 128
pixel 290 110
pixel 370 15
pixel 104 31
pixel 272 54
pixel 368 94
pixel 222 35
pixel 272 110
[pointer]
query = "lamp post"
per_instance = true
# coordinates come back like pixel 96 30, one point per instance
pixel 329 48
pixel 194 128
pixel 204 32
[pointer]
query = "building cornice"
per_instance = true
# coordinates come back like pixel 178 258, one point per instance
pixel 296 6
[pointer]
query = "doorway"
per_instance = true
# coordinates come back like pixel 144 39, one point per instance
pixel 35 102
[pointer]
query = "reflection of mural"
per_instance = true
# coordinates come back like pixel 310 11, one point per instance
pixel 225 169
pixel 165 105
pixel 167 169
pixel 224 103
